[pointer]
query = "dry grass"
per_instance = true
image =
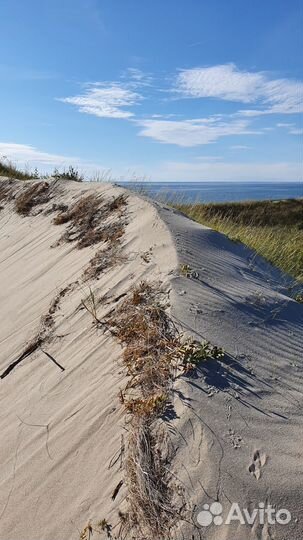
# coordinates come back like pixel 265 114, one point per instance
pixel 36 194
pixel 152 513
pixel 152 354
pixel 104 259
pixel 141 324
pixel 56 207
pixel 6 190
pixel 87 221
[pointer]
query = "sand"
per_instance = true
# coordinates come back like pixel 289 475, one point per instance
pixel 236 424
pixel 62 431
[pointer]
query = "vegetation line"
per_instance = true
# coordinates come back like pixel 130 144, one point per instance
pixel 274 229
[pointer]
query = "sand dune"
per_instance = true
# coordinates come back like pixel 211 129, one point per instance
pixel 236 424
pixel 62 430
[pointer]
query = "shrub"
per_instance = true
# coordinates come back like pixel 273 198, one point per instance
pixel 70 174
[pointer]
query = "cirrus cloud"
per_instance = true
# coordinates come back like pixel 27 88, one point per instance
pixel 226 82
pixel 231 171
pixel 105 100
pixel 194 132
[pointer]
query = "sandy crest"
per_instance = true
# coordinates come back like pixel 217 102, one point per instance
pixel 62 431
pixel 238 423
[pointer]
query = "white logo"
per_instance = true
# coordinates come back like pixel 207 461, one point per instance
pixel 210 514
pixel 262 514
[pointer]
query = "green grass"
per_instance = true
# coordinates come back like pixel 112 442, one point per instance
pixel 9 170
pixel 274 229
pixel 68 174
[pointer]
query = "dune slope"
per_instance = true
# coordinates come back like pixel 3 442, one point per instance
pixel 62 426
pixel 238 422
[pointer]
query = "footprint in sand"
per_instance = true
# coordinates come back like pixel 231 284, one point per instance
pixel 259 460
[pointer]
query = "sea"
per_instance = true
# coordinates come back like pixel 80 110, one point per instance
pixel 218 191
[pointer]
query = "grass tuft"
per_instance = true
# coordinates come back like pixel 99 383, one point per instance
pixel 87 221
pixel 6 190
pixel 37 193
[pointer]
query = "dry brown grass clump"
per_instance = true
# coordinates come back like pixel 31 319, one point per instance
pixel 149 335
pixel 151 349
pixel 104 259
pixel 87 221
pixel 6 190
pixel 37 193
pixel 153 352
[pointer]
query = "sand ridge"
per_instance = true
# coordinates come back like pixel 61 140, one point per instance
pixel 63 431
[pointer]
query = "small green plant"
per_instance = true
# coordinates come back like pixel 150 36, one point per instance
pixel 193 352
pixel 186 270
pixel 299 297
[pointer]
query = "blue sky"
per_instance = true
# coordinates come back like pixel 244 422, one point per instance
pixel 168 90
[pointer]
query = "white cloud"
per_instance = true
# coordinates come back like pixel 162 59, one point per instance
pixel 137 78
pixel 208 158
pixel 296 131
pixel 240 147
pixel 221 82
pixel 208 171
pixel 226 82
pixel 292 128
pixel 105 100
pixel 284 124
pixel 192 132
pixel 28 157
pixel 27 154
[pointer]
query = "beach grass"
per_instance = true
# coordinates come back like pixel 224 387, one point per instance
pixel 9 170
pixel 274 229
